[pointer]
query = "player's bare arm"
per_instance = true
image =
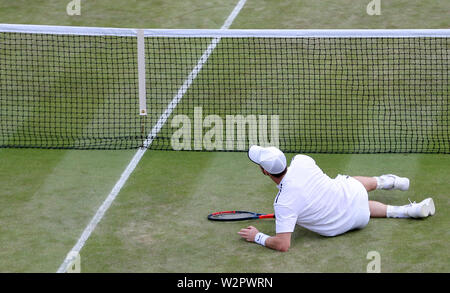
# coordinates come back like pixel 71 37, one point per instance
pixel 280 242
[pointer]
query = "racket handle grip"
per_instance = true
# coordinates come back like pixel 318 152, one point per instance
pixel 268 216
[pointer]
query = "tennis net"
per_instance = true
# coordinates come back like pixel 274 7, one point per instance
pixel 312 91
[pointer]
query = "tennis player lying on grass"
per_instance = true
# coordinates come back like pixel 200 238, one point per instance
pixel 329 207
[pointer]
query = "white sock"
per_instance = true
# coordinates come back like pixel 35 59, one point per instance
pixel 385 182
pixel 396 212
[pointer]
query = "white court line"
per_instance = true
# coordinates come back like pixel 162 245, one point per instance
pixel 71 256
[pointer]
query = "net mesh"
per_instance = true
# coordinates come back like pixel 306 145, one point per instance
pixel 308 94
pixel 68 91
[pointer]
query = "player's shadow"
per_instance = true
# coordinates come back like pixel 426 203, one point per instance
pixel 305 237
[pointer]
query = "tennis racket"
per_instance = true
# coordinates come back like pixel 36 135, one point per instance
pixel 238 216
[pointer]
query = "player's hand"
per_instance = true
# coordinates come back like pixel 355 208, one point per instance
pixel 248 233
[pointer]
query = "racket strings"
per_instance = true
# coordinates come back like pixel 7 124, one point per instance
pixel 227 216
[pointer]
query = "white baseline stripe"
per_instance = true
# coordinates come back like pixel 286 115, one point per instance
pixel 139 154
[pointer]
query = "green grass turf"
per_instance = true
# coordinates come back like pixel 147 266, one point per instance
pixel 295 14
pixel 47 198
pixel 158 223
pixel 154 227
pixel 118 13
pixel 343 14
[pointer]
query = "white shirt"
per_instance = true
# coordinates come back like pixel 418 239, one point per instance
pixel 309 198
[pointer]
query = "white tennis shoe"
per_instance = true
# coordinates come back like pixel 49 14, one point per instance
pixel 422 209
pixel 391 181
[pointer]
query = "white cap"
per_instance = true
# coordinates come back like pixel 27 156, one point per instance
pixel 270 159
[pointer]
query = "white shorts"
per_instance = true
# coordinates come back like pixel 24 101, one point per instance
pixel 359 205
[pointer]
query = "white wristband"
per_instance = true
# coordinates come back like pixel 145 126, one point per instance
pixel 261 238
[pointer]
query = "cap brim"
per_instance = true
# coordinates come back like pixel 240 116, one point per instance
pixel 254 154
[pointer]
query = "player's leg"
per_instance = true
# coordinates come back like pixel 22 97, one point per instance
pixel 422 209
pixel 370 183
pixel 377 209
pixel 390 181
pixel 386 182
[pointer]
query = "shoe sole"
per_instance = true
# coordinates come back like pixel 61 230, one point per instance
pixel 428 208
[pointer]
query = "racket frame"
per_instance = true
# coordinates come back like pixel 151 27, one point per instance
pixel 253 216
